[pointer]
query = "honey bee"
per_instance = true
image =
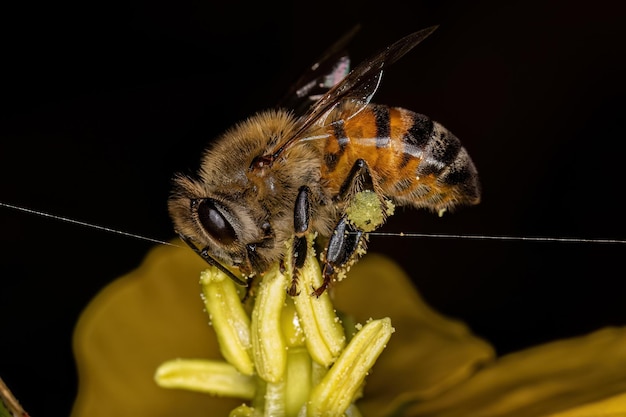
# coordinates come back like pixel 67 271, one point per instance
pixel 279 175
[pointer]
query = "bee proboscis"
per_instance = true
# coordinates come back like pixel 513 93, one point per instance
pixel 280 175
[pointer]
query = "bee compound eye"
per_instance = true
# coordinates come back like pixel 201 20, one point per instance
pixel 214 223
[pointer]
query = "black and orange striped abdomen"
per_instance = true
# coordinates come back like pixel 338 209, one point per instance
pixel 414 160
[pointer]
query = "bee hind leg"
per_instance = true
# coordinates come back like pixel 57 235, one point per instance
pixel 347 237
pixel 359 179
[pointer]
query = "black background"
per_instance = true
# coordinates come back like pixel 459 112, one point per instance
pixel 101 102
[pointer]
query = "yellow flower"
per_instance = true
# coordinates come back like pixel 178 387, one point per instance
pixel 432 366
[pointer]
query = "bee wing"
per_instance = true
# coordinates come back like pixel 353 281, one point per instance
pixel 327 71
pixel 358 87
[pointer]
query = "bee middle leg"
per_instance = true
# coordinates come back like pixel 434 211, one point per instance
pixel 342 245
pixel 301 223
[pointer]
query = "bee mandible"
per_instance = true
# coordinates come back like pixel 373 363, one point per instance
pixel 282 174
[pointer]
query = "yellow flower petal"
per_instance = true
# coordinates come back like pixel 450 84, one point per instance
pixel 611 407
pixel 428 352
pixel 141 320
pixel 542 380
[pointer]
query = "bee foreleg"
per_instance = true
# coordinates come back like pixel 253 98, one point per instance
pixel 301 219
pixel 204 254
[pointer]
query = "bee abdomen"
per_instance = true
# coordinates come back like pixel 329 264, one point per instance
pixel 416 161
pixel 437 170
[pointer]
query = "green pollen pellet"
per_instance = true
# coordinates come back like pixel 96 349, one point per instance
pixel 366 212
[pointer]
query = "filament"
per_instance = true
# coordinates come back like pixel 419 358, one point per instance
pixel 85 224
pixel 377 234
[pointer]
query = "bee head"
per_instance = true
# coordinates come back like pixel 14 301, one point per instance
pixel 227 230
